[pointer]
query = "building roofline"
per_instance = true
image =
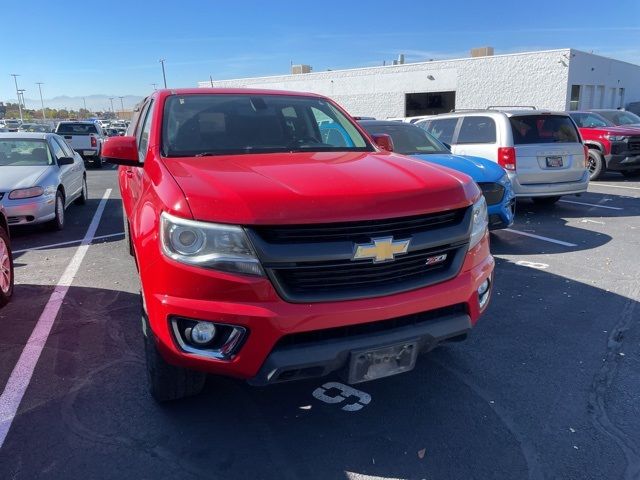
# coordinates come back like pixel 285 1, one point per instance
pixel 426 62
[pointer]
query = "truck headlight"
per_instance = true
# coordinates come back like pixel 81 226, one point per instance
pixel 26 193
pixel 616 138
pixel 208 245
pixel 479 222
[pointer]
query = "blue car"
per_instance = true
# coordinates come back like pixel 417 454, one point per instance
pixel 490 177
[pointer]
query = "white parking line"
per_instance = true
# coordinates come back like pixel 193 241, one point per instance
pixel 591 205
pixel 70 242
pixel 21 375
pixel 612 186
pixel 540 237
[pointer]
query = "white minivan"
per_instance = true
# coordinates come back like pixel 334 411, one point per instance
pixel 541 151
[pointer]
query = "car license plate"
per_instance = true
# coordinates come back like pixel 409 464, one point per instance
pixel 554 162
pixel 88 153
pixel 382 362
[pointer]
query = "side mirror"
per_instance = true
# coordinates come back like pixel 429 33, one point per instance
pixel 65 161
pixel 446 145
pixel 121 151
pixel 383 141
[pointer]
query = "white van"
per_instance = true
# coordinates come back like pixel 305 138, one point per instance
pixel 541 151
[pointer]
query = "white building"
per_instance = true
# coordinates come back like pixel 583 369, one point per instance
pixel 553 79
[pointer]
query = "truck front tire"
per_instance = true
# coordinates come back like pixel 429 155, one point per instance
pixel 168 382
pixel 597 165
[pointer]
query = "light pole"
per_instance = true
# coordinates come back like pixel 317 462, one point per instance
pixel 211 80
pixel 15 79
pixel 155 86
pixel 122 106
pixel 41 101
pixel 21 92
pixel 84 102
pixel 164 75
pixel 112 110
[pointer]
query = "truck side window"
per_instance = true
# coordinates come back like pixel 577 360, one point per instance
pixel 477 130
pixel 443 129
pixel 143 134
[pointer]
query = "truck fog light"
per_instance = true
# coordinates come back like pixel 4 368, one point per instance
pixel 202 333
pixel 484 293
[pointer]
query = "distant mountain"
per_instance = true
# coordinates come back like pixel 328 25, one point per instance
pixel 94 102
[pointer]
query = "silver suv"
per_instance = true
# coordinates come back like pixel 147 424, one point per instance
pixel 541 151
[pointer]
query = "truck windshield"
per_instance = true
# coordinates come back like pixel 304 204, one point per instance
pixel 221 124
pixel 530 129
pixel 621 117
pixel 77 128
pixel 407 139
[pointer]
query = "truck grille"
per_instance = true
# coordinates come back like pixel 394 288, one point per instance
pixel 493 192
pixel 634 144
pixel 359 231
pixel 312 263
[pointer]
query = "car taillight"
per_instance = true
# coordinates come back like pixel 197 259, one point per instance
pixel 94 142
pixel 586 156
pixel 507 158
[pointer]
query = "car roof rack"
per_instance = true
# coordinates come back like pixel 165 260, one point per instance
pixel 456 110
pixel 515 107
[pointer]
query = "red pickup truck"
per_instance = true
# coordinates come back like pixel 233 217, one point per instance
pixel 276 241
pixel 610 147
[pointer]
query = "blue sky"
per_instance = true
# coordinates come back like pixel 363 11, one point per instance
pixel 77 49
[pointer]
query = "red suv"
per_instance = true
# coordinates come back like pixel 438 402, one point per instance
pixel 275 241
pixel 610 147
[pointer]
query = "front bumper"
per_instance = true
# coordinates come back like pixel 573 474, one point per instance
pixel 549 189
pixel 172 289
pixel 623 161
pixel 320 358
pixel 29 210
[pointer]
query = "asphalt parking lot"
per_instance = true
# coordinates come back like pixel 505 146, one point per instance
pixel 546 387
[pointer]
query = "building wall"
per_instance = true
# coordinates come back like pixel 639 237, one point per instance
pixel 601 79
pixel 535 78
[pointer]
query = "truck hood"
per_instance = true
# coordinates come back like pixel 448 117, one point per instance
pixel 479 169
pixel 13 177
pixel 317 187
pixel 621 130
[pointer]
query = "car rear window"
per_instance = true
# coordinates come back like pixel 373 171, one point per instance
pixel 477 130
pixel 531 129
pixel 441 129
pixel 77 128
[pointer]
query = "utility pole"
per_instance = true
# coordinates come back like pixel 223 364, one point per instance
pixel 211 80
pixel 112 110
pixel 41 101
pixel 122 106
pixel 164 75
pixel 84 101
pixel 15 79
pixel 155 86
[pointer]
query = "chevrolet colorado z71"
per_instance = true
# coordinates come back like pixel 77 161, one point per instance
pixel 270 250
pixel 611 147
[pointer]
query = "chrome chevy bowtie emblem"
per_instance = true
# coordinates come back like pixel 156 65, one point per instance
pixel 381 249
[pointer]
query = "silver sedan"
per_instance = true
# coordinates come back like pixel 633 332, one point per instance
pixel 40 176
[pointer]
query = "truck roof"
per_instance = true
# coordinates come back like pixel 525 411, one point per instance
pixel 230 91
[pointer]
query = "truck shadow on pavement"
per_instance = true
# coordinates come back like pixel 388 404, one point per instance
pixel 543 360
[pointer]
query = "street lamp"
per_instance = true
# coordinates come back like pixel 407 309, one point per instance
pixel 41 101
pixel 112 110
pixel 122 106
pixel 21 92
pixel 164 75
pixel 154 85
pixel 15 79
